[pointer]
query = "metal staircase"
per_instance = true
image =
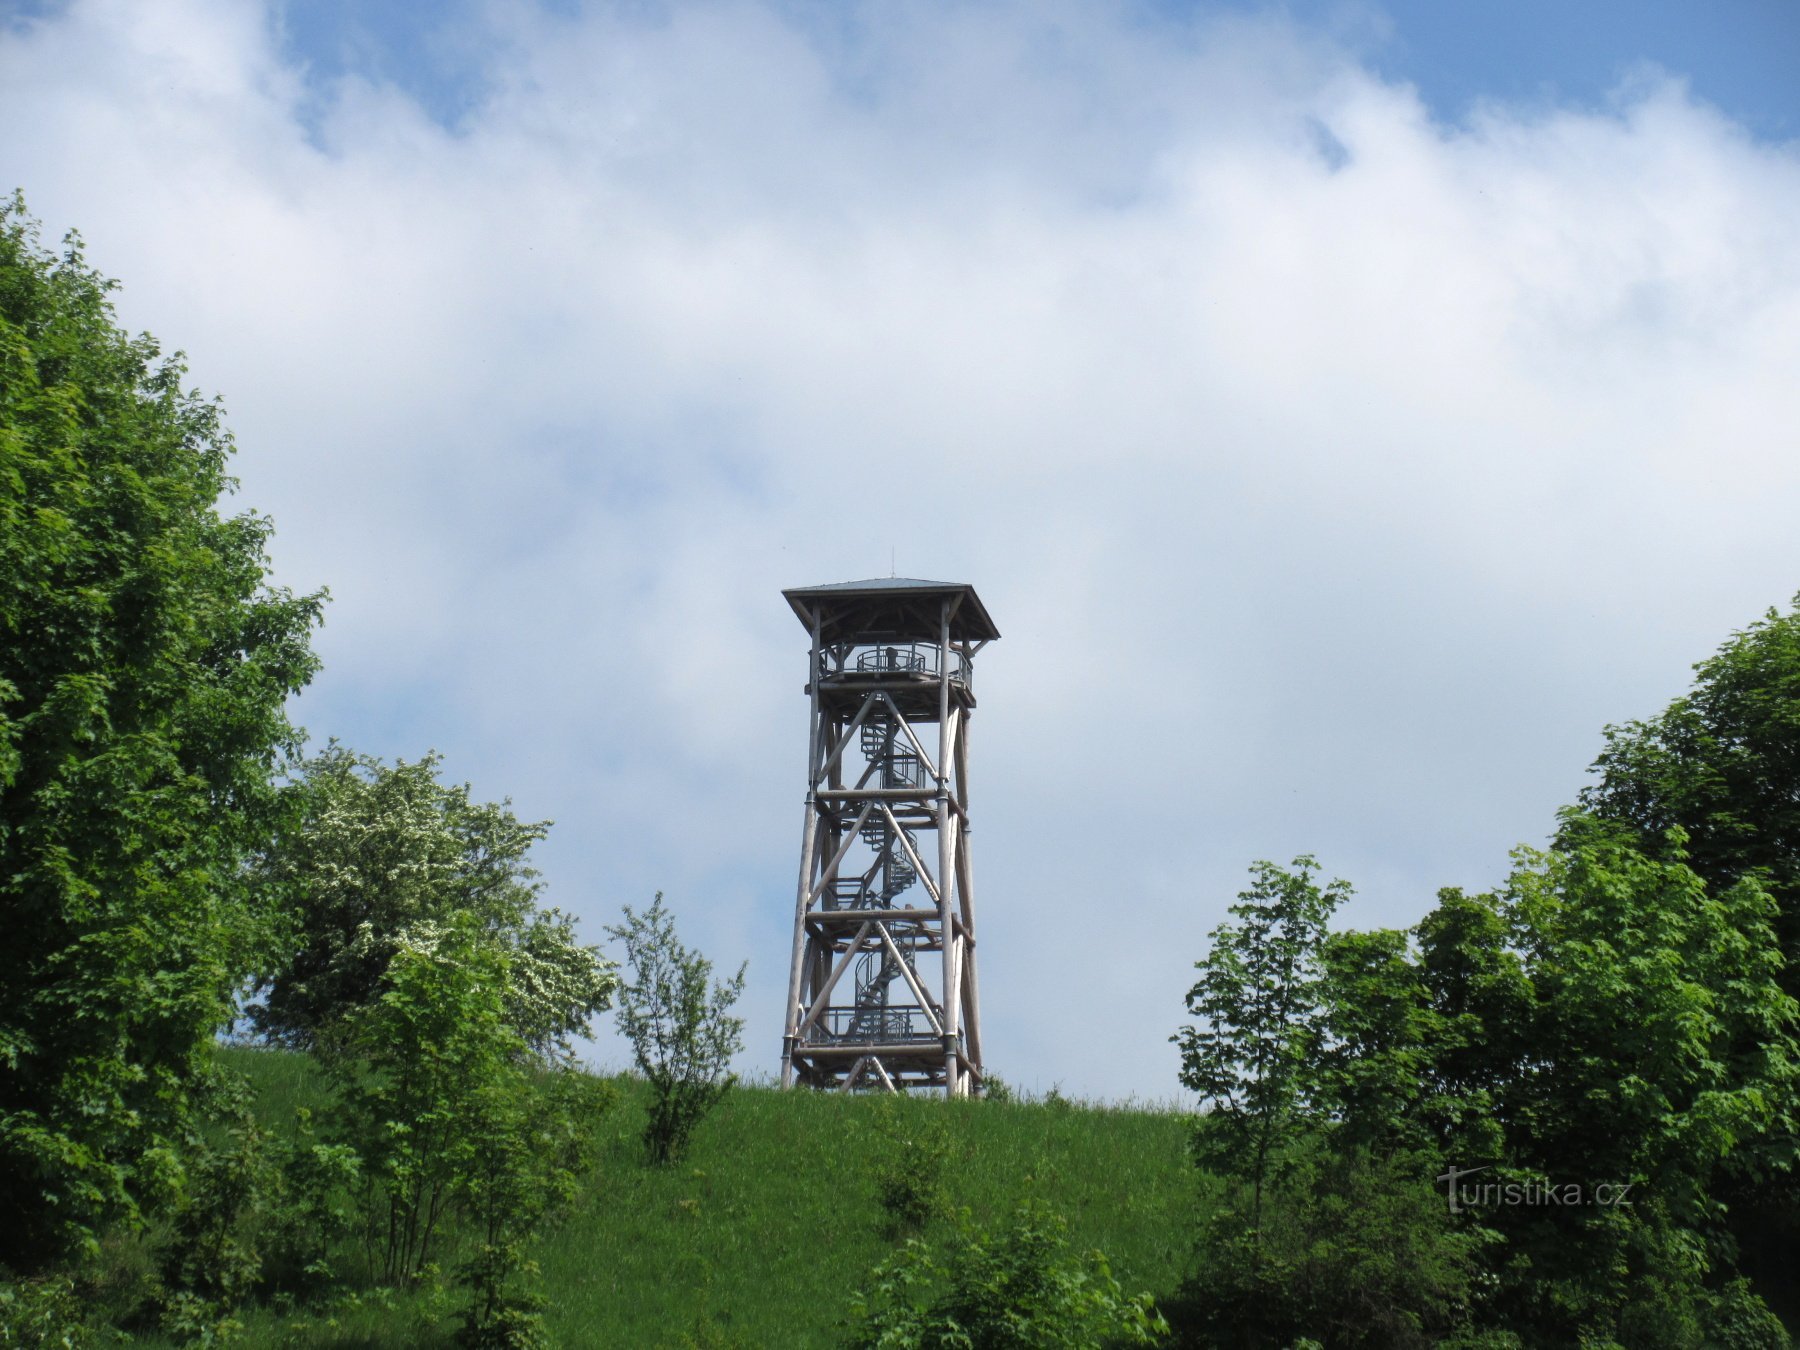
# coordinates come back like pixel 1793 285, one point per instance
pixel 894 764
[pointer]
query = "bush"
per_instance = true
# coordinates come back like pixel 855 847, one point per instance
pixel 1016 1289
pixel 451 1117
pixel 911 1149
pixel 377 856
pixel 681 1031
pixel 211 1262
pixel 1352 1251
pixel 43 1315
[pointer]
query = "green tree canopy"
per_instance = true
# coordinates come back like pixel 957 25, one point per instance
pixel 1605 1027
pixel 1259 992
pixel 1721 763
pixel 376 856
pixel 145 663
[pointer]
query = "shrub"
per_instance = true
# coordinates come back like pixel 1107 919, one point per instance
pixel 43 1314
pixel 678 1020
pixel 1351 1251
pixel 912 1147
pixel 1015 1289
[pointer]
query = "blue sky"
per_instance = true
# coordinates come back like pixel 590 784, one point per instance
pixel 1740 55
pixel 1344 413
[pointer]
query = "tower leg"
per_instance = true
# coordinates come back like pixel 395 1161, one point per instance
pixel 791 1028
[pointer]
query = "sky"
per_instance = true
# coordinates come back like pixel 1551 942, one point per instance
pixel 1344 411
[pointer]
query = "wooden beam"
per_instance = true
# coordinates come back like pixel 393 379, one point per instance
pixel 912 979
pixel 829 875
pixel 904 725
pixel 945 861
pixel 843 918
pixel 803 898
pixel 875 794
pixel 823 999
pixel 837 751
pixel 918 863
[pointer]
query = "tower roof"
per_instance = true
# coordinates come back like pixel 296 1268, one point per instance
pixel 891 607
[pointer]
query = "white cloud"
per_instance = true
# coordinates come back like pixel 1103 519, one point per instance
pixel 1333 474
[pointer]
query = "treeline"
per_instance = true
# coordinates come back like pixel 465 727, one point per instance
pixel 172 867
pixel 1561 1113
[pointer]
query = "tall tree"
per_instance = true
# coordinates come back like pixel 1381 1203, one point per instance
pixel 1258 992
pixel 145 663
pixel 1721 763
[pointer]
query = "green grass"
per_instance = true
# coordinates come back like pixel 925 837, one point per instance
pixel 764 1232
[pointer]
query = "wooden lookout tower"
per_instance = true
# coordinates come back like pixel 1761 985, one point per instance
pixel 882 992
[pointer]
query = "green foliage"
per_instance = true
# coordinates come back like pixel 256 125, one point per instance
pixel 313 1207
pixel 211 1260
pixel 912 1147
pixel 678 1020
pixel 1017 1287
pixel 1604 1022
pixel 1659 1053
pixel 1719 763
pixel 724 1250
pixel 416 1073
pixel 539 1143
pixel 377 857
pixel 450 1120
pixel 144 667
pixel 1353 1249
pixel 43 1314
pixel 507 1312
pixel 1258 990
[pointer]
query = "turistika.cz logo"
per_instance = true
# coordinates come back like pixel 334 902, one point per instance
pixel 1493 1194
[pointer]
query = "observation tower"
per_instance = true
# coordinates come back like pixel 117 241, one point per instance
pixel 882 992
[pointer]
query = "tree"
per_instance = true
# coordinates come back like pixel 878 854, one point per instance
pixel 1720 763
pixel 1659 1054
pixel 681 1031
pixel 1604 1042
pixel 145 663
pixel 378 857
pixel 1258 991
pixel 438 1101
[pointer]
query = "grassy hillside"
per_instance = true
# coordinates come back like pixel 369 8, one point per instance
pixel 761 1236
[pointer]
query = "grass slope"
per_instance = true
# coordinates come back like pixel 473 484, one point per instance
pixel 761 1236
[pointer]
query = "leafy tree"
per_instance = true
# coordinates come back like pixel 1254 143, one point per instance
pixel 1258 991
pixel 1720 763
pixel 379 856
pixel 678 1020
pixel 1604 1021
pixel 1315 1065
pixel 446 1117
pixel 1015 1289
pixel 540 1144
pixel 1354 1249
pixel 144 667
pixel 1660 1054
pixel 414 1071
